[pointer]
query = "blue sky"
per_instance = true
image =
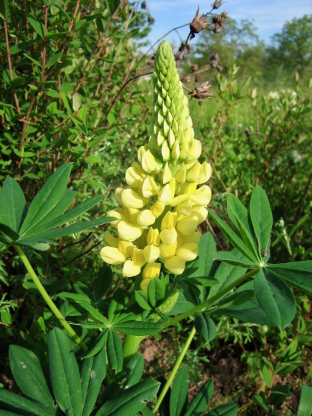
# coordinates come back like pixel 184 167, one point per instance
pixel 267 15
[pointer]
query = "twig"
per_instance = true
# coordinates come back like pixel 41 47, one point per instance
pixel 82 254
pixel 76 242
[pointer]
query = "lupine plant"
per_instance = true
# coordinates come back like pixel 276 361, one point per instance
pixel 174 273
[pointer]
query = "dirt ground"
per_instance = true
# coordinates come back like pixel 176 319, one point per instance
pixel 231 381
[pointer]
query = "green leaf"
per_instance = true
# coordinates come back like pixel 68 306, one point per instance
pixel 5 12
pixel 116 305
pixel 22 406
pixel 72 214
pixel 261 217
pixel 97 345
pixel 93 371
pixel 131 401
pixel 275 298
pixel 297 274
pixel 28 374
pixel 138 328
pixel 7 234
pixel 36 24
pixel 266 375
pixel 240 217
pixel 134 370
pixel 22 45
pixel 227 274
pixel 205 326
pixel 64 373
pixel 114 351
pixel 142 300
pixel 233 237
pixel 179 391
pixel 78 298
pixel 102 282
pixel 260 400
pixel 54 59
pixel 206 251
pixel 305 404
pixel 230 258
pixel 229 409
pixel 200 401
pixel 76 101
pixel 46 236
pixel 47 198
pixel 95 313
pixel 13 204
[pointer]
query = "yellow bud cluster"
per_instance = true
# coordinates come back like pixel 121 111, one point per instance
pixel 161 208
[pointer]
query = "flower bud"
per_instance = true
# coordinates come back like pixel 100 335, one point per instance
pixel 149 187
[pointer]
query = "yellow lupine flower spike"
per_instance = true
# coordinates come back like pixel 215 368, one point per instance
pixel 161 208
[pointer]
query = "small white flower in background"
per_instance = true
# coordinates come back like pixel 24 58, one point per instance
pixel 273 95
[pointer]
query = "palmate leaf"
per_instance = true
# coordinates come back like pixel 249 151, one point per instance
pixel 130 401
pixel 261 217
pixel 28 374
pixel 64 373
pixel 234 239
pixel 13 206
pixel 229 257
pixel 47 198
pixel 240 217
pixel 200 401
pixel 179 391
pixel 298 274
pixel 275 298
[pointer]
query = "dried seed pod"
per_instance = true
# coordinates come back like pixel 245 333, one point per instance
pixel 198 23
pixel 150 19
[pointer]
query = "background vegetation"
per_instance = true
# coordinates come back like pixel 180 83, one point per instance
pixel 72 91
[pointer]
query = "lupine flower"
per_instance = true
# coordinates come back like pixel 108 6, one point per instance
pixel 161 208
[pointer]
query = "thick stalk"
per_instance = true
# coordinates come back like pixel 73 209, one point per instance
pixel 174 370
pixel 131 345
pixel 48 300
pixel 212 300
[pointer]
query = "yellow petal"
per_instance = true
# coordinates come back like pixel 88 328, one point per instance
pixel 158 208
pixel 138 256
pixel 130 269
pixel 181 174
pixel 141 152
pixel 195 173
pixel 112 255
pixel 169 220
pixel 153 236
pixel 133 179
pixel 188 225
pixel 195 149
pixel 128 231
pixel 201 213
pixel 149 187
pixel 175 265
pixel 151 270
pixel 149 163
pixel 165 195
pixel 193 238
pixel 203 195
pixel 175 152
pixel 119 214
pixel 178 199
pixel 151 253
pixel 131 199
pixel 125 247
pixel 171 138
pixel 146 217
pixel 188 188
pixel 169 236
pixel 165 151
pixel 167 175
pixel 110 240
pixel 118 193
pixel 185 208
pixel 131 214
pixel 206 173
pixel 188 252
pixel 167 251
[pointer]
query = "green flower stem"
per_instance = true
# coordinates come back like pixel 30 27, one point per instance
pixel 48 300
pixel 174 370
pixel 212 300
pixel 131 345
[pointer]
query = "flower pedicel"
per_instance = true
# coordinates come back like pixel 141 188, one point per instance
pixel 161 208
